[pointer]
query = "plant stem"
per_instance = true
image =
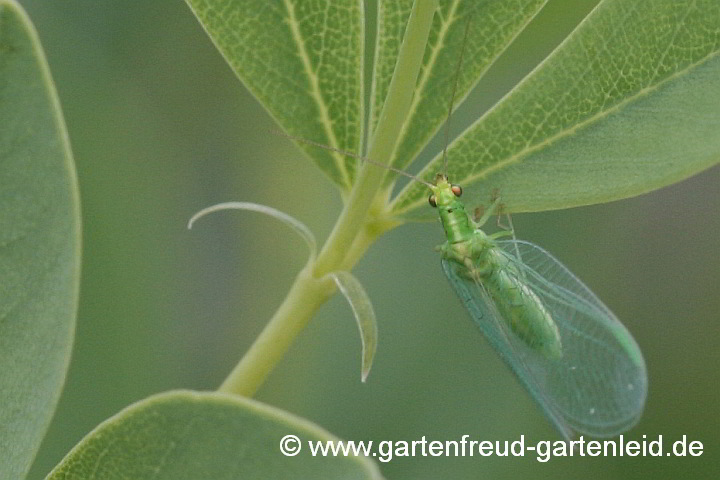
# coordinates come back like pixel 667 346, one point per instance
pixel 304 298
pixel 393 115
pixel 353 233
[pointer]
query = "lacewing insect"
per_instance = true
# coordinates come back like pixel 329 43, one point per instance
pixel 579 363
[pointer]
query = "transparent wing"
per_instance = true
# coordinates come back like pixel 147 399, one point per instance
pixel 599 384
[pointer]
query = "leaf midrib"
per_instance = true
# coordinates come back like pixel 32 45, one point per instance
pixel 315 91
pixel 518 156
pixel 580 125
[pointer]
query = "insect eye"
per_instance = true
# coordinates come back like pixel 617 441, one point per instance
pixel 432 201
pixel 456 189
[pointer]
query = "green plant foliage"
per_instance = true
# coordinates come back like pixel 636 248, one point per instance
pixel 492 26
pixel 189 435
pixel 304 62
pixel 597 121
pixel 39 244
pixel 627 104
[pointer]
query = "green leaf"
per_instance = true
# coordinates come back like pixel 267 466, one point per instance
pixel 492 26
pixel 39 244
pixel 304 62
pixel 191 435
pixel 630 102
pixel 362 308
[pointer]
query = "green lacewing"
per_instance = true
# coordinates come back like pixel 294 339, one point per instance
pixel 579 363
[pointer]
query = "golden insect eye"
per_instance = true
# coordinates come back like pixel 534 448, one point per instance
pixel 456 189
pixel 432 201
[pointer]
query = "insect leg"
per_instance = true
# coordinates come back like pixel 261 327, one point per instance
pixel 488 213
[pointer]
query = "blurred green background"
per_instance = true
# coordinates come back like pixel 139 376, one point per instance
pixel 161 128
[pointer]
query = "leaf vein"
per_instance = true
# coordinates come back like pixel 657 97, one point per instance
pixel 315 91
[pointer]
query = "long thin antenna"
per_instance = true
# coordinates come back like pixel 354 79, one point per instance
pixel 452 97
pixel 353 155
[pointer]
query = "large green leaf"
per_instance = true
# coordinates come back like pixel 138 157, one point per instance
pixel 493 24
pixel 628 103
pixel 304 63
pixel 190 435
pixel 39 244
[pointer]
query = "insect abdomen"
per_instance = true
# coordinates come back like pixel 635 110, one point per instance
pixel 520 307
